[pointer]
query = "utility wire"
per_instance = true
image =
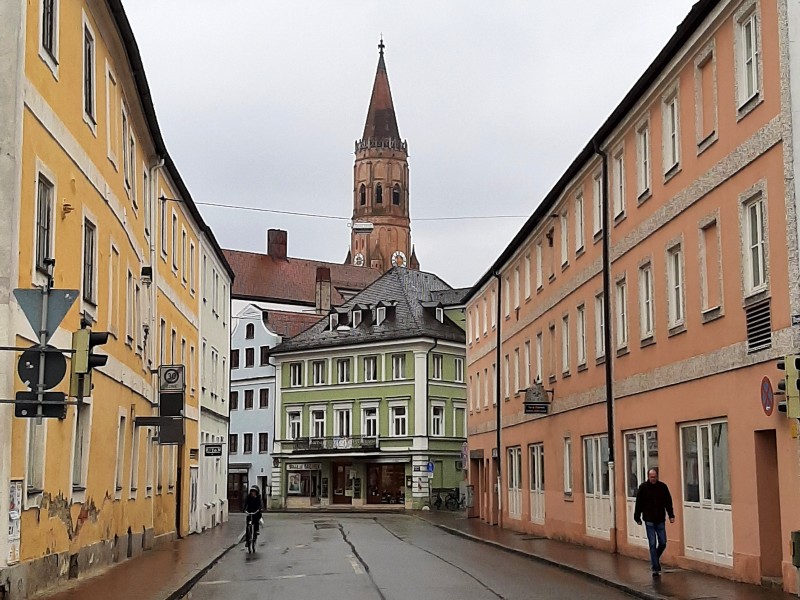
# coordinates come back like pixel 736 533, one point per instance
pixel 338 218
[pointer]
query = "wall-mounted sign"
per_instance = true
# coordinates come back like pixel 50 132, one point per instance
pixel 304 466
pixel 170 378
pixel 536 408
pixel 14 516
pixel 213 450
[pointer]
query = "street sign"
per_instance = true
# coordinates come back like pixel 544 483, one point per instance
pixel 536 408
pixel 213 450
pixel 170 404
pixel 58 304
pixel 170 378
pixel 170 431
pixel 767 396
pixel 53 405
pixel 54 371
pixel 430 467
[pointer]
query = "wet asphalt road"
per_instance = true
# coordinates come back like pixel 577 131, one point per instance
pixel 373 557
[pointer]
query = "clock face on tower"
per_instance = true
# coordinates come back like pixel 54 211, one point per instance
pixel 358 260
pixel 398 259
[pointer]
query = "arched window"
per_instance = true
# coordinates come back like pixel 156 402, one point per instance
pixel 378 194
pixel 250 331
pixel 396 195
pixel 362 195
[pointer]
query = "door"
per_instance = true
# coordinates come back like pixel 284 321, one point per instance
pixel 342 484
pixel 514 482
pixel 194 516
pixel 536 458
pixel 769 517
pixel 641 455
pixel 373 484
pixel 237 488
pixel 596 486
pixel 707 518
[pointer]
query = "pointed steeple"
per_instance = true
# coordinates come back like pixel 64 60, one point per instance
pixel 381 121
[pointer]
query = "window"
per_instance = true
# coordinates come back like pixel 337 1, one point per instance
pixel 516 371
pixel 342 422
pixel 539 357
pixel 296 375
pixel 362 195
pixel 263 398
pixel 134 479
pixel 132 170
pixel 580 335
pixel 568 466
pixel 343 370
pixel 539 266
pixel 706 97
pixel 672 150
pixel 619 184
pixel 675 285
pixel 599 330
pixel 356 318
pixel 459 368
pixel 249 331
pixel 89 260
pixel 191 266
pixel 378 194
pixel 646 311
pixel 595 466
pixel 641 455
pixel 398 421
pixel 643 154
pixel 318 423
pixel 130 317
pixel 398 366
pixel 50 30
pixel 233 443
pixel 597 212
pixel 749 50
pixel 486 388
pixel 370 422
pixel 711 261
pixel 494 309
pixel 507 294
pixel 318 370
pixel 552 347
pixel 294 424
pixel 174 242
pixel 527 285
pixel 248 399
pixel 88 75
pixel 264 356
pixel 622 314
pixel 527 364
pixel 516 290
pixel 579 229
pixel 370 368
pixel 440 314
pixel 565 344
pixel 564 239
pixel 113 292
pixel 249 357
pixel 380 315
pixel 44 222
pixel 506 377
pixel 437 420
pixel 120 453
pixel 396 195
pixel 514 471
pixel 146 200
pixel 437 360
pixel 263 443
pixel 706 476
pixel 248 443
pixel 536 480
pixel 80 450
pixel 164 226
pixel 235 358
pixel 755 258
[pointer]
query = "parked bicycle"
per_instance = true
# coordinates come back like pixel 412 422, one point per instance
pixel 250 533
pixel 454 501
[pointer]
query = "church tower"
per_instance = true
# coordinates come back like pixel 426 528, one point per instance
pixel 380 186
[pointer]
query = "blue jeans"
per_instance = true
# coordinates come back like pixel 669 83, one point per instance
pixel 656 530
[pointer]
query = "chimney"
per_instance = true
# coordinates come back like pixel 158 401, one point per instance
pixel 276 243
pixel 323 293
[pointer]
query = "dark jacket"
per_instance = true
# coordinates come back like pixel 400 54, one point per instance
pixel 252 504
pixel 653 500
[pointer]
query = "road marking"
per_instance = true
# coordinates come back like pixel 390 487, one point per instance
pixel 221 581
pixel 289 576
pixel 356 566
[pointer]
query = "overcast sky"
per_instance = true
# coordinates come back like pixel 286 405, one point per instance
pixel 260 103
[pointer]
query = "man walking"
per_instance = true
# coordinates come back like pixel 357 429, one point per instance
pixel 653 501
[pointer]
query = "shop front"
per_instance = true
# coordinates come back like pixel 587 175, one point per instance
pixel 304 484
pixel 386 483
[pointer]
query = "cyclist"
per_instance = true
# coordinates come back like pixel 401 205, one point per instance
pixel 252 506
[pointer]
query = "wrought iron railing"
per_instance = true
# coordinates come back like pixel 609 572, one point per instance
pixel 331 444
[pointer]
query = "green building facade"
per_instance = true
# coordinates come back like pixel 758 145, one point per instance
pixel 371 398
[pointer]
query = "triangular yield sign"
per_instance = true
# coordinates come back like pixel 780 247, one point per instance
pixel 58 305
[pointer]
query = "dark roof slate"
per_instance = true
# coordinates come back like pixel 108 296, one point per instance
pixel 408 289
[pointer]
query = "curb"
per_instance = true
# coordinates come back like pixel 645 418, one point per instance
pixel 623 587
pixel 190 583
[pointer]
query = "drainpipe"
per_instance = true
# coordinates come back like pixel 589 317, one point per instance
pixel 499 401
pixel 607 342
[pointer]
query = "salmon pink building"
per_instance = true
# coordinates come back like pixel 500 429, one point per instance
pixel 645 301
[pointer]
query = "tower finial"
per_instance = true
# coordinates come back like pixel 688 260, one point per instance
pixel 381 45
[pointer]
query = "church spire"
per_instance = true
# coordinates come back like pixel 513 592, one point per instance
pixel 381 125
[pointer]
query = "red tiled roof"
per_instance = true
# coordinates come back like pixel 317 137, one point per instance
pixel 291 280
pixel 289 324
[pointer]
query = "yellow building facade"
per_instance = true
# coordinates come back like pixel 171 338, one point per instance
pixel 86 180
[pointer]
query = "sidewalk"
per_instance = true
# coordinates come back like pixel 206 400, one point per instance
pixel 622 572
pixel 164 573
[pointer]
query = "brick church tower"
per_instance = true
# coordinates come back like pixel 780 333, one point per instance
pixel 380 186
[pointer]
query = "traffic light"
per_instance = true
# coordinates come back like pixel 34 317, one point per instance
pixel 84 360
pixel 790 386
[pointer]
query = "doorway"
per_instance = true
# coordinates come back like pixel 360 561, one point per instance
pixel 342 483
pixel 194 520
pixel 769 514
pixel 237 490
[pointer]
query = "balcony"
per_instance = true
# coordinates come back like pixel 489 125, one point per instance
pixel 331 444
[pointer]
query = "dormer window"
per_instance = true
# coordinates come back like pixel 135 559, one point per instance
pixel 440 315
pixel 334 321
pixel 396 195
pixel 356 318
pixel 380 315
pixel 378 194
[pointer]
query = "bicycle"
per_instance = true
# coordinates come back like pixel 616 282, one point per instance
pixel 453 501
pixel 437 503
pixel 250 533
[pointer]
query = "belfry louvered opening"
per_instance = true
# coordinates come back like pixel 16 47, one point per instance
pixel 759 326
